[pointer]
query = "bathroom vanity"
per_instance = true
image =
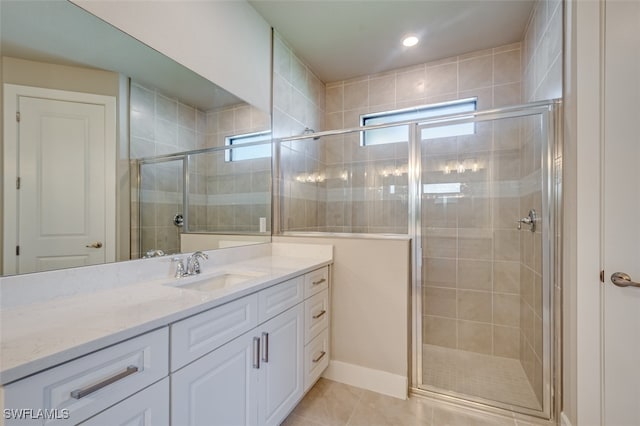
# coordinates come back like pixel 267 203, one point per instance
pixel 238 344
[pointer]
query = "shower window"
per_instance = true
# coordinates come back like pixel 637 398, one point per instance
pixel 401 133
pixel 248 153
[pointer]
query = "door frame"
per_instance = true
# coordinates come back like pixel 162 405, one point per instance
pixel 12 93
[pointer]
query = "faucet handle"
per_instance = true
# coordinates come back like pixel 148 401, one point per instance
pixel 180 269
pixel 196 266
pixel 200 254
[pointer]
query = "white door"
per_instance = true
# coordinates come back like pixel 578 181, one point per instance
pixel 621 387
pixel 61 212
pixel 281 369
pixel 219 388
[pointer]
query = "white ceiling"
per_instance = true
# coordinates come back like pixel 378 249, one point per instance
pixel 62 33
pixel 342 39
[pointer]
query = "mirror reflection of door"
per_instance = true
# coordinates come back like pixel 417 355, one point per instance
pixel 64 203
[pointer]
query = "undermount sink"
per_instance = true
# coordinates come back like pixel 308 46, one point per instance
pixel 215 282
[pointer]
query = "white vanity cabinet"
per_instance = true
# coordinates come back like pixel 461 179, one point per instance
pixel 219 388
pixel 71 393
pixel 248 361
pixel 316 321
pixel 280 376
pixel 258 377
pixel 147 407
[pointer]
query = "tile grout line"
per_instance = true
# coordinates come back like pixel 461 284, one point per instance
pixel 353 411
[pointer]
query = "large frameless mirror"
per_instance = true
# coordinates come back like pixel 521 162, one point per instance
pixel 147 108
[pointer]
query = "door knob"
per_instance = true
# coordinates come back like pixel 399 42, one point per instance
pixel 97 244
pixel 623 280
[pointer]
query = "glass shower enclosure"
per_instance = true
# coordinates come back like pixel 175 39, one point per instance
pixel 480 206
pixel 219 197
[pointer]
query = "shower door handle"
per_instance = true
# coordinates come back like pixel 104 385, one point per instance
pixel 96 245
pixel 623 280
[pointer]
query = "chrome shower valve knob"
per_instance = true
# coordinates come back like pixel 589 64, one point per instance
pixel 529 220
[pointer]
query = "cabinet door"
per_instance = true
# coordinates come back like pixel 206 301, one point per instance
pixel 148 407
pixel 219 388
pixel 281 367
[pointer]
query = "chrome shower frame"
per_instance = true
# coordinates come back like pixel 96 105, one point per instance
pixel 551 204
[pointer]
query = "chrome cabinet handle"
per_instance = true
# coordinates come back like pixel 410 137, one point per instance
pixel 81 393
pixel 319 281
pixel 322 354
pixel 265 347
pixel 623 280
pixel 318 315
pixel 256 352
pixel 97 244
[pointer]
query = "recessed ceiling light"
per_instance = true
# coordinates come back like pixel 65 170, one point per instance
pixel 410 41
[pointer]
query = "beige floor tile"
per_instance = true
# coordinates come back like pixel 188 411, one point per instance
pixel 294 420
pixel 329 403
pixel 453 416
pixel 380 410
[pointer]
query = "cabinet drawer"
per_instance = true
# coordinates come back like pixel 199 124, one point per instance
pixel 316 358
pixel 316 281
pixel 87 385
pixel 280 297
pixel 200 334
pixel 316 315
pixel 148 407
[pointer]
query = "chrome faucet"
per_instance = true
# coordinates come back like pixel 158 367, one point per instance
pixel 193 262
pixel 192 267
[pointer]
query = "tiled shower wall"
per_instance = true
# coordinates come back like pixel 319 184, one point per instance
pixel 162 126
pixel 542 79
pixel 348 188
pixel 298 104
pixel 230 196
pixel 158 126
pixel 471 249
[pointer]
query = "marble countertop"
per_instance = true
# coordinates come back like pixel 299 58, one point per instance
pixel 41 335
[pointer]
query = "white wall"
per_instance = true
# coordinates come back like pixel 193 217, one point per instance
pixel 581 224
pixel 227 42
pixel 370 311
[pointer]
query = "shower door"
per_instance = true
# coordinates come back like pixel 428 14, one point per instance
pixel 483 259
pixel 161 204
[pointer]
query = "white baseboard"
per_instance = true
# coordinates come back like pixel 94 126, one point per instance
pixel 366 378
pixel 564 420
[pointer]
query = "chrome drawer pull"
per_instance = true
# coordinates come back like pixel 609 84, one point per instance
pixel 265 347
pixel 319 281
pixel 81 393
pixel 318 315
pixel 322 354
pixel 256 352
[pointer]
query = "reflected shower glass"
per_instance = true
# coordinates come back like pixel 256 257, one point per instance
pixel 161 200
pixel 230 191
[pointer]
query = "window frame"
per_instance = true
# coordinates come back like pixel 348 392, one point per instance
pixel 229 143
pixel 427 107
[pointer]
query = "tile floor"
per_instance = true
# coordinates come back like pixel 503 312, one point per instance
pixel 330 403
pixel 490 377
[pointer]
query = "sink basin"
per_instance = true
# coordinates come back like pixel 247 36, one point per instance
pixel 215 282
